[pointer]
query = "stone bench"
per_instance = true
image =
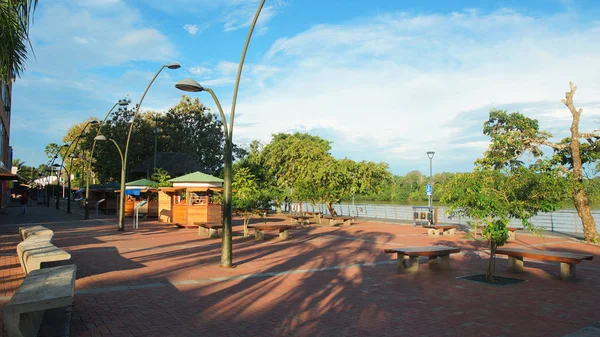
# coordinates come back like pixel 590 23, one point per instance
pixel 436 230
pixel 408 258
pixel 567 260
pixel 344 220
pixel 259 229
pixel 300 219
pixel 42 304
pixel 209 229
pixel 28 231
pixel 33 252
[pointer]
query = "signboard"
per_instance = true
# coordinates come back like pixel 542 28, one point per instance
pixel 429 189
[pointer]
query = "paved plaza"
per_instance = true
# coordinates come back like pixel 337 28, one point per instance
pixel 161 280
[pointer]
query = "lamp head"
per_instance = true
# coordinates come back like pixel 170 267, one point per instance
pixel 124 101
pixel 430 154
pixel 73 155
pixel 93 122
pixel 56 165
pixel 173 65
pixel 188 84
pixel 100 138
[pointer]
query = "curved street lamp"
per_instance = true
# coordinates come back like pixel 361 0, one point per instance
pixel 51 171
pixel 75 141
pixel 173 65
pixel 122 103
pixel 191 85
pixel 430 155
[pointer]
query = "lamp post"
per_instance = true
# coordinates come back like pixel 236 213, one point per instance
pixel 173 65
pixel 122 103
pixel 74 142
pixel 430 155
pixel 58 174
pixel 191 85
pixel 71 156
pixel 103 138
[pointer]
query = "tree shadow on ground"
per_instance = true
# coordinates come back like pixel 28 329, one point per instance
pixel 110 260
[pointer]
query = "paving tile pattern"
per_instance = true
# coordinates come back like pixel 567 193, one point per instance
pixel 325 281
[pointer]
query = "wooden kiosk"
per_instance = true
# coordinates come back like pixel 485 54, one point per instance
pixel 138 191
pixel 193 198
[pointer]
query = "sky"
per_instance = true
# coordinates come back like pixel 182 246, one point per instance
pixel 385 81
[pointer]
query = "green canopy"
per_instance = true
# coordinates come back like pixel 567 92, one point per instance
pixel 196 177
pixel 141 182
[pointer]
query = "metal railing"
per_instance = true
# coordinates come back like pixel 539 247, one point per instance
pixel 559 221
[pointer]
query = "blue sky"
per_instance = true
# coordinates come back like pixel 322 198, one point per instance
pixel 384 80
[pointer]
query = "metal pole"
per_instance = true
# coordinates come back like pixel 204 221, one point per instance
pixel 123 102
pixel 155 142
pixel 430 182
pixel 226 251
pixel 124 166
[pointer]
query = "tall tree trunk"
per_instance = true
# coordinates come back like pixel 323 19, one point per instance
pixel 247 216
pixel 331 209
pixel 585 213
pixel 579 196
pixel 492 263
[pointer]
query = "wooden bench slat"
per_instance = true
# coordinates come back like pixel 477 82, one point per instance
pixel 424 251
pixel 208 224
pixel 545 255
pixel 269 227
pixel 444 227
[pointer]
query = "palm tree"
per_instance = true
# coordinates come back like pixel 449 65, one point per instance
pixel 18 163
pixel 15 16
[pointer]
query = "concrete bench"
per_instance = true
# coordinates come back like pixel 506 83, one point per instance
pixel 344 220
pixel 209 229
pixel 28 231
pixel 259 229
pixel 567 260
pixel 45 292
pixel 300 219
pixel 408 258
pixel 33 252
pixel 436 230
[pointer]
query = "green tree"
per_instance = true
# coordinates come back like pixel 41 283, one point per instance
pixel 247 196
pixel 291 158
pixel 495 196
pixel 191 128
pixel 515 136
pixel 15 18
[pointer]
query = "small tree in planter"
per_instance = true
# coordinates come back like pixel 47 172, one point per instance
pixel 246 197
pixel 495 197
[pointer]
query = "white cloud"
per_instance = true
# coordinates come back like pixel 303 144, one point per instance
pixel 200 71
pixel 195 29
pixel 394 84
pixel 242 17
pixel 192 29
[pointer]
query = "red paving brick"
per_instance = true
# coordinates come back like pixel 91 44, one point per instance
pixel 322 282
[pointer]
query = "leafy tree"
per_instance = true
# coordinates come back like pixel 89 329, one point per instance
pixel 495 196
pixel 247 196
pixel 15 17
pixel 191 128
pixel 291 158
pixel 514 136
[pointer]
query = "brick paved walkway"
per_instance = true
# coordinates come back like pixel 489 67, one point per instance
pixel 163 281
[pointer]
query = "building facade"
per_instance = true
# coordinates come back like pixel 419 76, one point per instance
pixel 6 176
